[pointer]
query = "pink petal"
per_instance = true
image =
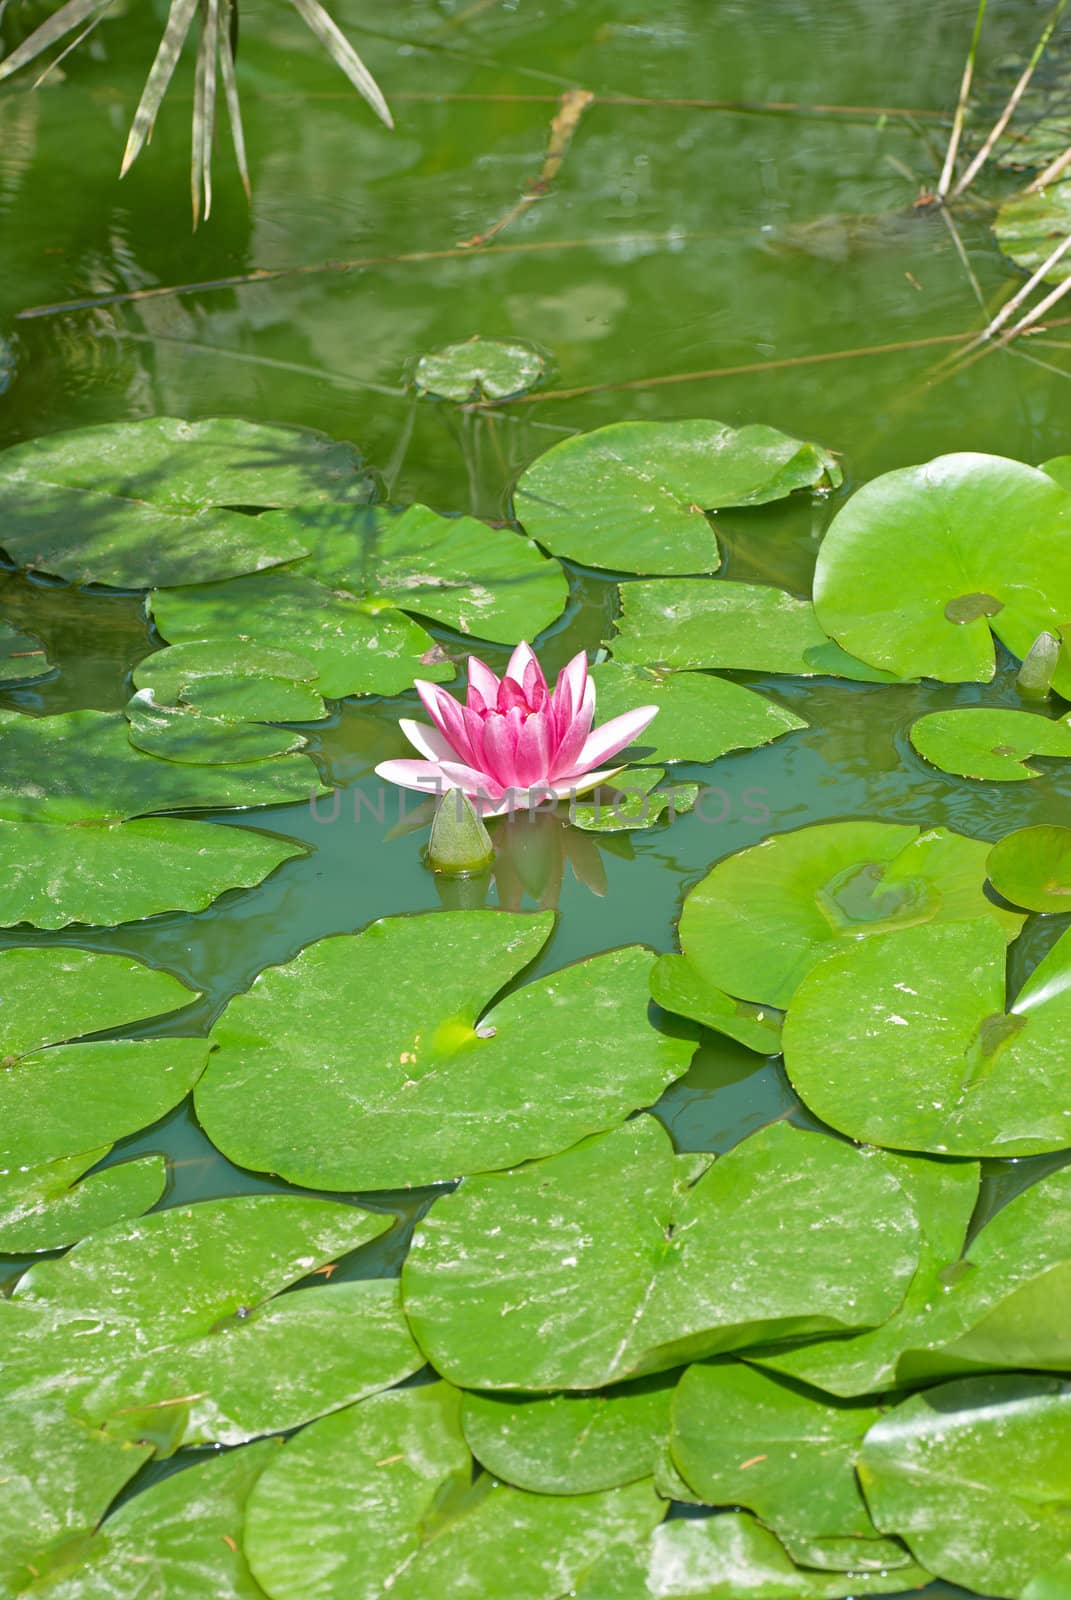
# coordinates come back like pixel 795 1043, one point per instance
pixel 524 669
pixel 435 777
pixel 483 685
pixel 500 746
pixel 574 734
pixel 612 737
pixel 429 741
pixel 572 679
pixel 447 716
pixel 510 695
pixel 532 760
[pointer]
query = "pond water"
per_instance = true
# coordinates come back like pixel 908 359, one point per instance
pixel 702 253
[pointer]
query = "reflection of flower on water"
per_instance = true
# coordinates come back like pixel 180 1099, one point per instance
pixel 515 743
pixel 532 851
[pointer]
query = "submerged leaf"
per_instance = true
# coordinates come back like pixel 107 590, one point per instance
pixel 634 496
pixel 479 369
pixel 22 657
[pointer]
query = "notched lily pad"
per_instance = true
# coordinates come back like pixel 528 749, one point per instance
pixel 700 717
pixel 924 565
pixel 46 1208
pixel 693 622
pixel 235 681
pixel 1032 867
pixel 181 733
pixel 624 1269
pixel 412 1083
pixel 977 742
pixel 906 1042
pixel 634 496
pixel 479 369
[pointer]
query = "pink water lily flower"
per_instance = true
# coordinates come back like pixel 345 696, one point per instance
pixel 514 743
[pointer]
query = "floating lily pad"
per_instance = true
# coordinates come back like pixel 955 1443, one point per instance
pixel 413 1079
pixel 1059 467
pixel 742 1438
pixel 700 717
pixel 182 1536
pixel 762 918
pixel 379 1499
pixel 184 734
pixel 943 1194
pixel 976 1477
pixel 86 993
pixel 22 657
pixel 725 1557
pixel 59 1477
pixel 1008 1301
pixel 46 1208
pixel 677 985
pixel 1028 227
pixel 591 1267
pixel 976 742
pixel 479 369
pixel 906 1042
pixel 489 582
pixel 695 622
pixel 358 646
pixel 634 496
pixel 80 767
pixel 925 564
pixel 570 1444
pixel 148 1292
pixel 632 800
pixel 73 1098
pixel 1032 867
pixel 104 872
pixel 235 681
pixel 276 1367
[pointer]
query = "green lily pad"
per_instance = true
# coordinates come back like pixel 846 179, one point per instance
pixel 591 1267
pixel 191 466
pixel 976 1477
pixel 80 767
pixel 413 1079
pixel 281 1365
pixel 1032 867
pixel 977 742
pixel 695 622
pixel 479 369
pixel 742 1438
pixel 1007 1302
pixel 46 1208
pixel 632 800
pixel 102 872
pixel 570 1444
pixel 87 992
pixel 379 1499
pixel 726 1557
pixel 23 657
pixel 700 717
pixel 678 986
pixel 925 564
pixel 357 645
pixel 184 734
pixel 943 1194
pixel 764 917
pixel 72 1098
pixel 634 496
pixel 145 1295
pixel 180 1539
pixel 488 582
pixel 906 1042
pixel 235 681
pixel 347 1503
pixel 1028 227
pixel 1058 467
pixel 59 1477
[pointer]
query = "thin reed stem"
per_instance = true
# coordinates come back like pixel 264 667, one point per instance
pixel 945 181
pixel 979 161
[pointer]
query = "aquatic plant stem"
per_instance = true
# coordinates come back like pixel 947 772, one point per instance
pixel 945 180
pixel 1053 171
pixel 571 108
pixel 982 156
